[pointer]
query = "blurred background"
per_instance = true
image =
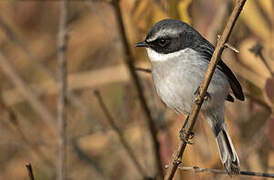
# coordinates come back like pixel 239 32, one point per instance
pixel 95 60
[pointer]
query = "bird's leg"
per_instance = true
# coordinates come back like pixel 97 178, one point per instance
pixel 184 134
pixel 207 95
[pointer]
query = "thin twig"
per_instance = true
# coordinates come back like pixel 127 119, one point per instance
pixel 88 160
pixel 197 169
pixel 14 121
pixel 120 134
pixel 62 86
pixel 29 168
pixel 228 45
pixel 177 158
pixel 231 47
pixel 129 62
pixel 16 40
pixel 26 91
pixel 257 51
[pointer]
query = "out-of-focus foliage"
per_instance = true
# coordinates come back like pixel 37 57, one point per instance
pixel 95 62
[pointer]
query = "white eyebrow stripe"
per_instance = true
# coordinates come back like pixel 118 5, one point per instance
pixel 163 33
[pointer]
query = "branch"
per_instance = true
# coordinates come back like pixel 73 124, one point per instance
pixel 197 169
pixel 18 130
pixel 120 135
pixel 62 87
pixel 26 91
pixel 76 102
pixel 16 40
pixel 88 160
pixel 229 46
pixel 129 62
pixel 29 168
pixel 177 159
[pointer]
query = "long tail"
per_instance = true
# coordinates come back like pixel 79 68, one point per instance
pixel 227 152
pixel 228 155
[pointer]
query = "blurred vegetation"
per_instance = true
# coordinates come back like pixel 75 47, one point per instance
pixel 28 35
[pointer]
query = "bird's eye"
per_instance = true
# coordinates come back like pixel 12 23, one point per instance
pixel 162 42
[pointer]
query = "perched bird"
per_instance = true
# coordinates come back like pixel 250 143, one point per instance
pixel 179 58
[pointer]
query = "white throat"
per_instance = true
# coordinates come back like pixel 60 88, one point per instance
pixel 155 56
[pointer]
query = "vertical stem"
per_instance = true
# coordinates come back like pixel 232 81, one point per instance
pixel 123 141
pixel 129 62
pixel 62 88
pixel 29 168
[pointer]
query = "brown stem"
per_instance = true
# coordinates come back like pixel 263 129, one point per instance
pixel 29 168
pixel 25 91
pixel 129 62
pixel 176 161
pixel 62 88
pixel 18 129
pixel 197 169
pixel 13 37
pixel 120 134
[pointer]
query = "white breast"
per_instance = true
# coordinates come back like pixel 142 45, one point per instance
pixel 178 75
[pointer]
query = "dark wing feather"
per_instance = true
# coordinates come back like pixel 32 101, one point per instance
pixel 206 49
pixel 234 83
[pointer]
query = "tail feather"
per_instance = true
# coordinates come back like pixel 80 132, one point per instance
pixel 228 155
pixel 227 152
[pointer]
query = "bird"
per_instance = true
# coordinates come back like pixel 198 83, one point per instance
pixel 179 57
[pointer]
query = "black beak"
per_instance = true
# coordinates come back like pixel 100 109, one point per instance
pixel 141 44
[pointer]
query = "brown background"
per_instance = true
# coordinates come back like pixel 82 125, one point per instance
pixel 28 44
